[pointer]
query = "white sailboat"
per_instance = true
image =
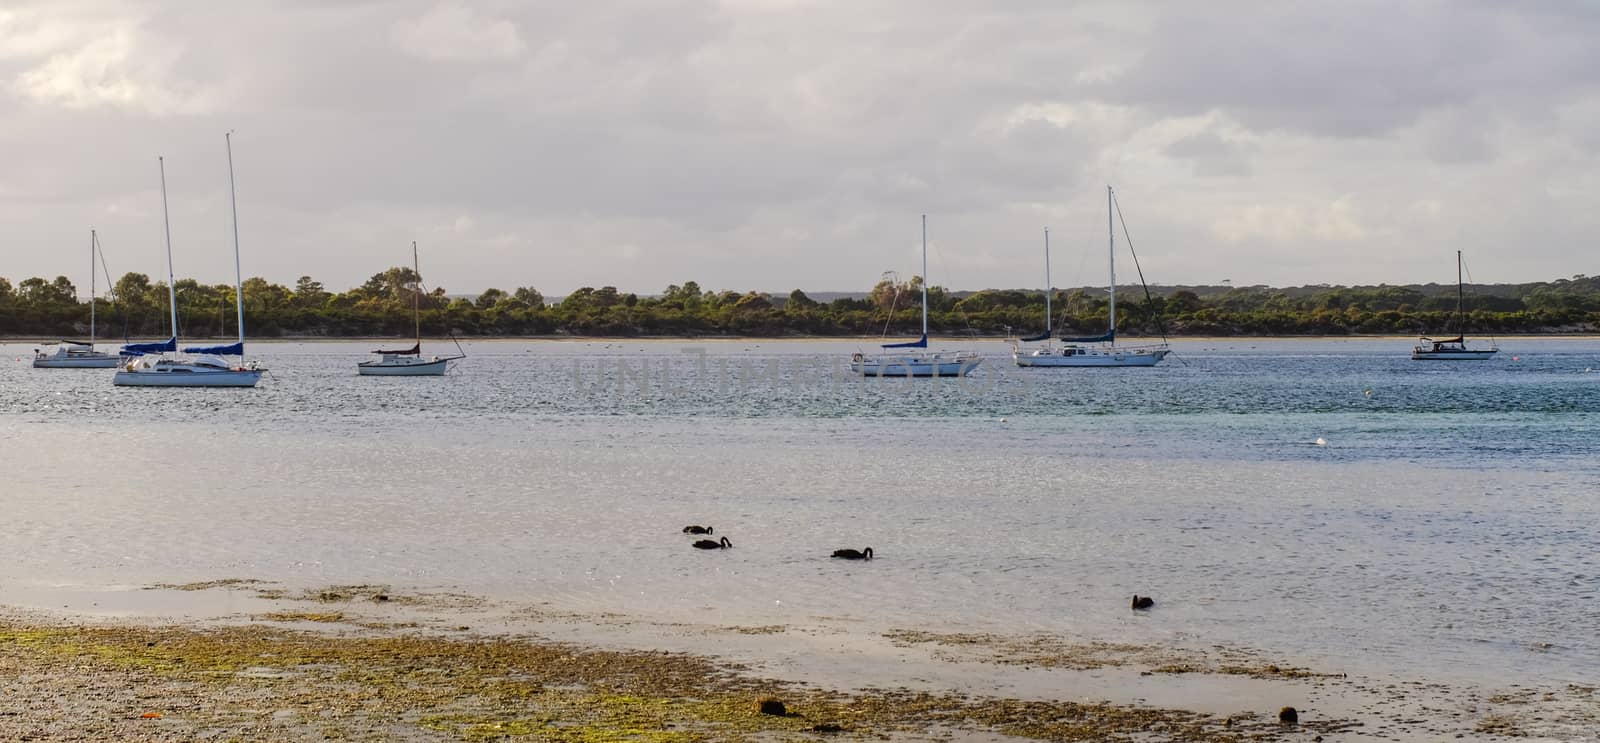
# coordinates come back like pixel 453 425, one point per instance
pixel 408 362
pixel 1092 351
pixel 208 368
pixel 76 354
pixel 1452 349
pixel 892 362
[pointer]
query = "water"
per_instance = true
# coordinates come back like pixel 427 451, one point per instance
pixel 1445 527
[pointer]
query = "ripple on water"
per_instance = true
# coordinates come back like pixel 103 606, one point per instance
pixel 1433 531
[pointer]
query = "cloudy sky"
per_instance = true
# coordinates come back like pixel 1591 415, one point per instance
pixel 773 144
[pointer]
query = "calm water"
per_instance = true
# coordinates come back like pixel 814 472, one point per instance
pixel 1447 526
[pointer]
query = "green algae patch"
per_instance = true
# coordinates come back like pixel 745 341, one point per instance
pixel 609 718
pixel 1043 651
pixel 765 629
pixel 1274 671
pixel 303 616
pixel 1268 671
pixel 335 594
pixel 375 593
pixel 1040 651
pixel 229 583
pixel 271 682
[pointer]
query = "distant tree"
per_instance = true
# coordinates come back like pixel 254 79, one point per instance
pixel 529 296
pixel 40 293
pixel 1183 301
pixel 753 301
pixel 309 293
pixel 490 298
pixel 64 290
pixel 397 283
pixel 686 297
pixel 579 299
pixel 798 300
pixel 132 285
pixel 265 297
pixel 885 293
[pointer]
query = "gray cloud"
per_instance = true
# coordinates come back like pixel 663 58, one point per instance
pixel 780 143
pixel 1212 155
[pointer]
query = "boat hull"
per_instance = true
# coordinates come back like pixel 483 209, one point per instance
pixel 1091 359
pixel 435 368
pixel 911 367
pixel 191 378
pixel 107 362
pixel 1423 355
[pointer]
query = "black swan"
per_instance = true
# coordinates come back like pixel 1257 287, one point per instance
pixel 1143 602
pixel 696 530
pixel 865 554
pixel 706 544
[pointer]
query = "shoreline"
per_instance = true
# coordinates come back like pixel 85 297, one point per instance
pixel 253 658
pixel 21 340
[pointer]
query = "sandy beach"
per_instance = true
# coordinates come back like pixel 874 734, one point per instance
pixel 249 660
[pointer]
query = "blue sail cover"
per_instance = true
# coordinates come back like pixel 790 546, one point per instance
pixel 139 349
pixel 918 343
pixel 1040 337
pixel 233 349
pixel 1110 335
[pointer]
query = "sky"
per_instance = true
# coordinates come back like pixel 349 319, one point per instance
pixel 778 144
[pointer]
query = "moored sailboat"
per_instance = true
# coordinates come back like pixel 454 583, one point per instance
pixel 1092 351
pixel 208 368
pixel 892 362
pixel 77 354
pixel 1452 349
pixel 408 362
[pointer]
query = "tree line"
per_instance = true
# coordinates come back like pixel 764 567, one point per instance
pixel 382 306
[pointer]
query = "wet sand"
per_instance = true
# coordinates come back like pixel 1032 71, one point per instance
pixel 251 660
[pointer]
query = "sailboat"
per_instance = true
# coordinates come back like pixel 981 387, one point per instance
pixel 1104 352
pixel 408 362
pixel 1452 349
pixel 76 354
pixel 207 368
pixel 916 363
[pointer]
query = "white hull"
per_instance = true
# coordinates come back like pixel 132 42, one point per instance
pixel 418 368
pixel 916 366
pixel 1418 354
pixel 180 375
pixel 99 361
pixel 1090 357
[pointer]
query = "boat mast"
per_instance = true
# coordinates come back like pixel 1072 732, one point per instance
pixel 1460 323
pixel 172 289
pixel 91 289
pixel 416 296
pixel 238 275
pixel 1048 290
pixel 1111 246
pixel 924 277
